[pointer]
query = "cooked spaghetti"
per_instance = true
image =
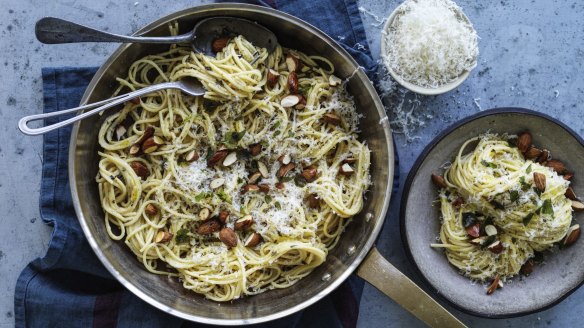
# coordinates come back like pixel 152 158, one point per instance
pixel 243 189
pixel 493 190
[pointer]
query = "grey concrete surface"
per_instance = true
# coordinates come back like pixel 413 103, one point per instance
pixel 532 55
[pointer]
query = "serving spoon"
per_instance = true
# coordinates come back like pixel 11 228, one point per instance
pixel 188 85
pixel 51 30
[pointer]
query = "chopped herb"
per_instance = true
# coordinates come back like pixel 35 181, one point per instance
pixel 277 133
pixel 489 240
pixel 528 169
pixel 182 236
pixel 290 134
pixel 514 195
pixel 232 138
pixel 304 89
pixel 488 164
pixel 277 124
pixel 468 219
pixel 512 142
pixel 268 199
pixel 264 143
pixel 527 219
pixel 278 205
pixel 202 195
pixel 300 181
pixel 497 205
pixel 537 191
pixel 224 196
pixel 524 185
pixel 239 180
pixel 210 105
pixel 547 208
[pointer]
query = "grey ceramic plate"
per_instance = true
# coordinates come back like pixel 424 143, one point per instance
pixel 563 271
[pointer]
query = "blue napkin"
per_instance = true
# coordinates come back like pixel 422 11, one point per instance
pixel 69 287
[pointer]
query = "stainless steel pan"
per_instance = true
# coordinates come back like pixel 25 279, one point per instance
pixel 354 248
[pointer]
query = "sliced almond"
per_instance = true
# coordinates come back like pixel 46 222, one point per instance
pixel 204 214
pixel 223 216
pixel 230 159
pixel 572 235
pixel 151 210
pixel 301 103
pixel 524 141
pixel 249 188
pixel 253 240
pixel 293 83
pixel 544 156
pixel 577 206
pixel 216 183
pixel 120 132
pixel 334 81
pixel 255 149
pixel 332 118
pixel 494 285
pixel 148 132
pixel 539 180
pixel 490 230
pixel 285 159
pixel 350 160
pixel 217 157
pixel 290 101
pixel 135 150
pixel 228 237
pixel 474 230
pixel 496 247
pixel 313 200
pixel 254 177
pixel 438 181
pixel 556 165
pixel 140 169
pixel 263 169
pixel 284 169
pixel 533 153
pixel 208 227
pixel 218 44
pixel 457 202
pixel 346 169
pixel 264 187
pixel 279 185
pixel 570 194
pixel 151 144
pixel 309 173
pixel 191 156
pixel 527 268
pixel 162 237
pixel 243 223
pixel 272 78
pixel 568 176
pixel 292 62
pixel 479 241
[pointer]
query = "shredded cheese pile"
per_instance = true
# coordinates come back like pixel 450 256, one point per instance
pixel 431 43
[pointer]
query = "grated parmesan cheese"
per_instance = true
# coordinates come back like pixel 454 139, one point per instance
pixel 430 43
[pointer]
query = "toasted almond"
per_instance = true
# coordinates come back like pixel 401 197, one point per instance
pixel 568 176
pixel 533 153
pixel 285 159
pixel 263 169
pixel 230 159
pixel 334 81
pixel 346 169
pixel 223 216
pixel 217 157
pixel 120 132
pixel 151 210
pixel 479 241
pixel 243 223
pixel 249 188
pixel 527 268
pixel 162 237
pixel 524 141
pixel 577 206
pixel 208 227
pixel 313 201
pixel 332 118
pixel 254 177
pixel 539 180
pixel 290 101
pixel 218 44
pixel 140 169
pixel 572 235
pixel 191 156
pixel 272 77
pixel 438 181
pixel 556 165
pixel 264 187
pixel 570 194
pixel 457 202
pixel 350 160
pixel 474 230
pixel 544 156
pixel 148 132
pixel 228 237
pixel 204 214
pixel 135 150
pixel 490 230
pixel 255 149
pixel 293 83
pixel 301 103
pixel 494 285
pixel 496 247
pixel 253 240
pixel 135 101
pixel 292 62
pixel 151 144
pixel 216 183
pixel 309 173
pixel 284 169
pixel 279 185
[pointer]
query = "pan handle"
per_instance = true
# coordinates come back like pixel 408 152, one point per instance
pixel 389 280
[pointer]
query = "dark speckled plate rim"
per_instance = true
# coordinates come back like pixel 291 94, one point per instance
pixel 412 174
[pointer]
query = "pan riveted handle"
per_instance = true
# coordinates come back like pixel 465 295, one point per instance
pixel 389 280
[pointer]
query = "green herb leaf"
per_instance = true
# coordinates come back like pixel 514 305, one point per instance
pixel 224 196
pixel 497 205
pixel 268 199
pixel 524 185
pixel 512 142
pixel 468 219
pixel 277 125
pixel 488 164
pixel 547 208
pixel 277 133
pixel 537 191
pixel 528 169
pixel 514 195
pixel 300 181
pixel 202 195
pixel 182 236
pixel 278 205
pixel 527 219
pixel 210 105
pixel 232 138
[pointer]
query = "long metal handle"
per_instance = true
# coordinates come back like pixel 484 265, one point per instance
pixel 389 280
pixel 23 123
pixel 53 30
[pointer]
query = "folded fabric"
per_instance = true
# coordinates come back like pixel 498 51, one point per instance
pixel 70 287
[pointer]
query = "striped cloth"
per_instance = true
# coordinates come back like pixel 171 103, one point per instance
pixel 69 287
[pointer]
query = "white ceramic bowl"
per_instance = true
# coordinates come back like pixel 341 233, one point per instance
pixel 410 86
